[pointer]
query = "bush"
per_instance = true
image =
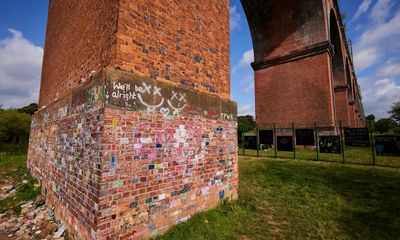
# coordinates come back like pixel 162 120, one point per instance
pixel 14 130
pixel 385 125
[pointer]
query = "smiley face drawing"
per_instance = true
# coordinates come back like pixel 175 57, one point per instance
pixel 148 89
pixel 177 102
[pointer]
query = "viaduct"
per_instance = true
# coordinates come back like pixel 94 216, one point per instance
pixel 136 131
pixel 304 71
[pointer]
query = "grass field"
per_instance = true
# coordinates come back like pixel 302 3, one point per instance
pixel 280 199
pixel 13 169
pixel 285 199
pixel 351 155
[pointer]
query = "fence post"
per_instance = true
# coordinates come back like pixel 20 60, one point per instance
pixel 372 143
pixel 243 143
pixel 258 141
pixel 316 139
pixel 294 141
pixel 275 141
pixel 341 141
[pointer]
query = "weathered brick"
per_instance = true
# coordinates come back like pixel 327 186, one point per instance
pixel 123 167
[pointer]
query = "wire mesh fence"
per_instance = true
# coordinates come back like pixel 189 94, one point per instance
pixel 321 143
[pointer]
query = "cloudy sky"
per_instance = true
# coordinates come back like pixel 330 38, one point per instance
pixel 373 27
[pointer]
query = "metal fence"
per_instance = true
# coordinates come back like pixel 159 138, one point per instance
pixel 320 143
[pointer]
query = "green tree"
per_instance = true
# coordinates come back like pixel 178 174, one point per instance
pixel 395 111
pixel 246 123
pixel 30 109
pixel 385 125
pixel 371 117
pixel 14 126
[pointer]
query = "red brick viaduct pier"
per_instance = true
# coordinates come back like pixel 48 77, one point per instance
pixel 136 131
pixel 304 71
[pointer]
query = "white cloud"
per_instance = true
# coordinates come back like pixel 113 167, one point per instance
pixel 249 88
pixel 390 69
pixel 381 10
pixel 377 43
pixel 379 96
pixel 247 58
pixel 247 109
pixel 20 69
pixel 380 32
pixel 372 44
pixel 366 58
pixel 245 63
pixel 234 18
pixel 363 8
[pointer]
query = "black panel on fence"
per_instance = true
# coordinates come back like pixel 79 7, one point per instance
pixel 356 137
pixel 387 145
pixel 329 144
pixel 250 142
pixel 266 137
pixel 285 143
pixel 305 137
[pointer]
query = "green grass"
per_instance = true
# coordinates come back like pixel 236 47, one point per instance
pixel 9 163
pixel 351 154
pixel 285 199
pixel 14 166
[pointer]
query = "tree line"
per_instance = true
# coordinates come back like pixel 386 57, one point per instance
pixel 15 125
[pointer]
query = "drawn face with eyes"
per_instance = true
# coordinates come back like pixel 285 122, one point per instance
pixel 177 102
pixel 146 93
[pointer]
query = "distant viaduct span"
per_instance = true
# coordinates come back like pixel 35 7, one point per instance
pixel 304 71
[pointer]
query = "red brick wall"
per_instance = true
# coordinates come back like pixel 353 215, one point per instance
pixel 183 42
pixel 114 167
pixel 79 39
pixel 164 171
pixel 299 92
pixel 342 108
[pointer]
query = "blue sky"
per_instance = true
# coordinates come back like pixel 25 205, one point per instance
pixel 373 27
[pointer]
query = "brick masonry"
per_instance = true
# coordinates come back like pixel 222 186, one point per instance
pixel 304 72
pixel 182 42
pixel 116 168
pixel 136 131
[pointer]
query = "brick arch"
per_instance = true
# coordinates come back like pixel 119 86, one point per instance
pixel 266 19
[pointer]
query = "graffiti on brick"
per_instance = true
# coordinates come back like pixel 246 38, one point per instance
pixel 147 96
pixel 135 93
